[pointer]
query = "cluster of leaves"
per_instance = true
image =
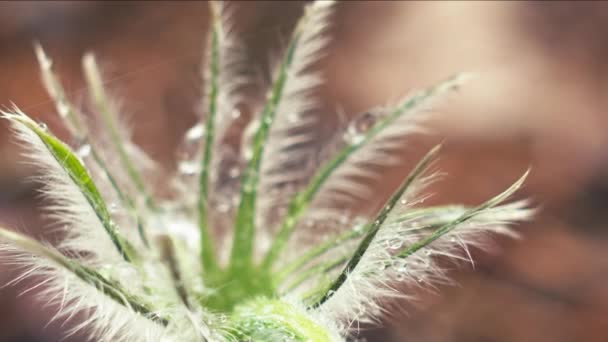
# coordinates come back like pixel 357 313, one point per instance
pixel 145 268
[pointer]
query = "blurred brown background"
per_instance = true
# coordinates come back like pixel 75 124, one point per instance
pixel 539 99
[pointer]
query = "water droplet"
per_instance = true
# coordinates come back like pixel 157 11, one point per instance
pixel 397 245
pixel 359 125
pixel 62 109
pixel 354 139
pixel 234 172
pixel 188 167
pixel 293 118
pixel 83 151
pixel 235 114
pixel 113 207
pixel 223 207
pixel 196 132
pixel 43 126
pixel 404 201
pixel 268 120
pixel 223 318
pixel 248 153
pixel 420 279
pixel 365 120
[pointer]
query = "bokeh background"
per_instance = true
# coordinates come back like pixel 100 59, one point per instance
pixel 539 100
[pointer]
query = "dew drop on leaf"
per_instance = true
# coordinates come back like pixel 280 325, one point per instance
pixel 188 167
pixel 396 245
pixel 223 207
pixel 234 172
pixel 62 109
pixel 83 151
pixel 359 125
pixel 196 132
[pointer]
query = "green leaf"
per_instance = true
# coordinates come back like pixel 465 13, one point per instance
pixel 432 216
pixel 73 120
pixel 108 287
pixel 319 250
pixel 78 174
pixel 309 272
pixel 101 101
pixel 301 200
pixel 376 224
pixel 242 248
pixel 213 69
pixel 469 214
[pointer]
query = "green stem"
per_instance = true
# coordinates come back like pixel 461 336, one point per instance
pixel 207 251
pixel 301 200
pixel 82 180
pixel 469 214
pixel 317 251
pixel 242 247
pixel 101 101
pixel 376 224
pixel 360 230
pixel 321 268
pixel 73 121
pixel 108 287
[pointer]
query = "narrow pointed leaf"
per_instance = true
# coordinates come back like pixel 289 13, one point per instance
pixel 301 200
pixel 73 120
pixel 245 220
pixel 213 70
pixel 377 223
pixel 102 103
pixel 78 174
pixel 469 214
pixel 108 287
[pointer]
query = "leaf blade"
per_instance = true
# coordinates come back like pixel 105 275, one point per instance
pixel 78 174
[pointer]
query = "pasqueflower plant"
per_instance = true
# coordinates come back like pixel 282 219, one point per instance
pixel 251 241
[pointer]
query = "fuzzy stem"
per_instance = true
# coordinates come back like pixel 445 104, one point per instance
pixel 110 288
pixel 167 251
pixel 358 231
pixel 244 234
pixel 463 218
pixel 73 120
pixel 377 223
pixel 66 111
pixel 101 101
pixel 213 69
pixel 301 200
pixel 322 268
pixel 317 251
pixel 82 180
